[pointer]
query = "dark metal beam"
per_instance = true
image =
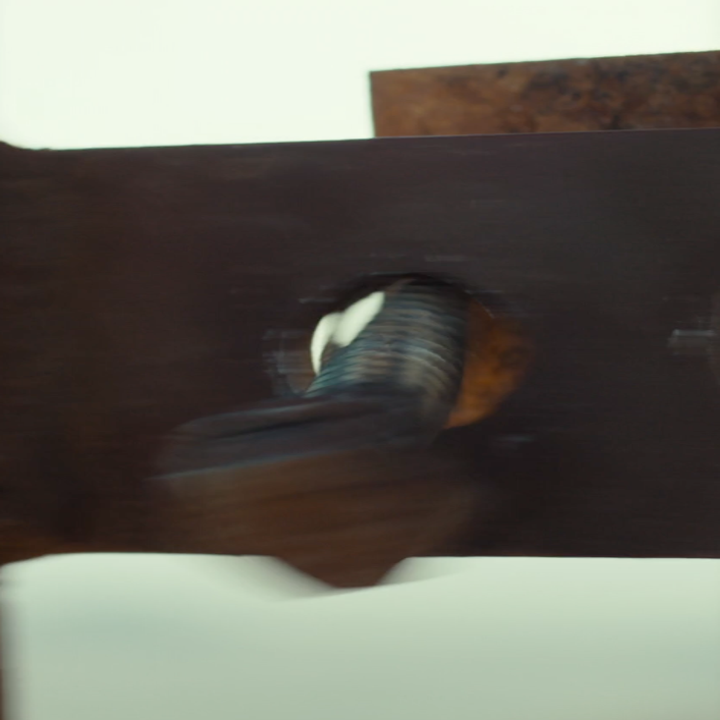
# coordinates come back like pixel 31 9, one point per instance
pixel 144 288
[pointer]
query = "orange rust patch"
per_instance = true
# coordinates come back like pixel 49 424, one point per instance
pixel 497 357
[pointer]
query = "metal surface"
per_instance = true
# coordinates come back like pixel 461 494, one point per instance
pixel 341 489
pixel 679 90
pixel 141 289
pixel 692 342
pixel 341 482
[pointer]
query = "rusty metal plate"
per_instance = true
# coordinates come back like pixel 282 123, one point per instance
pixel 619 93
pixel 143 288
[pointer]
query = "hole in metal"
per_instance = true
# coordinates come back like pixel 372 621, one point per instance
pixel 497 349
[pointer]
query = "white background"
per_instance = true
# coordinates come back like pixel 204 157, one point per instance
pixel 88 73
pixel 154 638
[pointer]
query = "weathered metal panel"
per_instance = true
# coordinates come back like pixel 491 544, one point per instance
pixel 618 93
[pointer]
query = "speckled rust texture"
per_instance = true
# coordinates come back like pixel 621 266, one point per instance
pixel 621 93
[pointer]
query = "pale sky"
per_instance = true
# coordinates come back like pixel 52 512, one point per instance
pixel 168 638
pixel 88 73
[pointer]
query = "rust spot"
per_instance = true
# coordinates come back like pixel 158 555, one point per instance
pixel 497 357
